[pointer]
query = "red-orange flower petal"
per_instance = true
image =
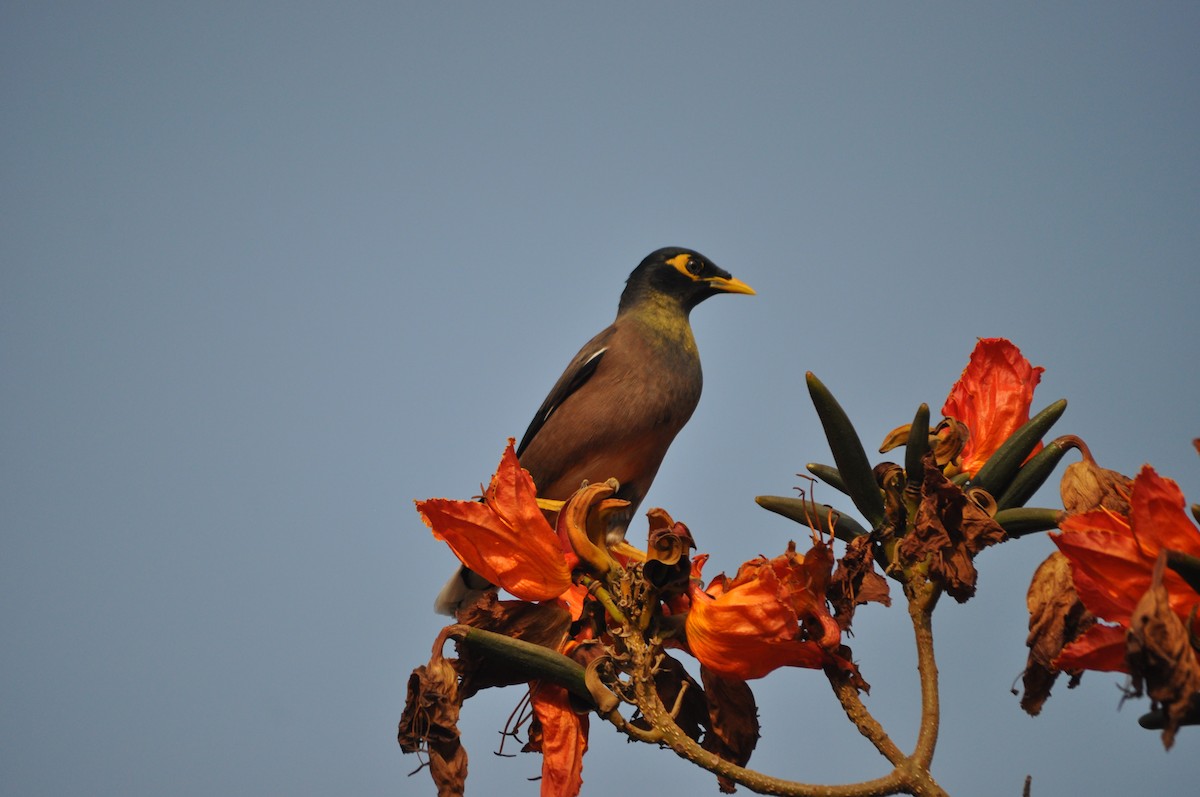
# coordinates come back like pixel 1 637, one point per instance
pixel 1112 557
pixel 772 614
pixel 992 398
pixel 1159 517
pixel 1109 571
pixel 513 495
pixel 563 740
pixel 505 538
pixel 1101 648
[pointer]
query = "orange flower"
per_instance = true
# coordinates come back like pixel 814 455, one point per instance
pixel 563 739
pixel 771 614
pixel 992 398
pixel 504 538
pixel 1112 561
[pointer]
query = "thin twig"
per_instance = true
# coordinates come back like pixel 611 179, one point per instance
pixel 856 711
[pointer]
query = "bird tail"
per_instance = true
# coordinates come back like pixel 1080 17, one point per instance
pixel 464 588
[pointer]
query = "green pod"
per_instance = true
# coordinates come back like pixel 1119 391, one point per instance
pixel 1196 512
pixel 1154 720
pixel 998 472
pixel 848 452
pixel 1033 474
pixel 802 511
pixel 918 444
pixel 828 474
pixel 1020 521
pixel 526 657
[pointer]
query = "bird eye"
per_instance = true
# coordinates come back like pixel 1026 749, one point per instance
pixel 693 268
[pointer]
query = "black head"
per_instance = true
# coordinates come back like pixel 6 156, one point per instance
pixel 680 274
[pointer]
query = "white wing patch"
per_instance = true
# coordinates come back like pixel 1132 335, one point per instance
pixel 582 366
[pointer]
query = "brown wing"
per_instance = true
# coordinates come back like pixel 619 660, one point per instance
pixel 578 372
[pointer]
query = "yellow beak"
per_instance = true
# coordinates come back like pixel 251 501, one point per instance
pixel 731 285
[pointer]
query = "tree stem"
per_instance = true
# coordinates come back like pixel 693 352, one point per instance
pixel 921 599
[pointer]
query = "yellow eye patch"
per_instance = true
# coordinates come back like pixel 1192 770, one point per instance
pixel 680 262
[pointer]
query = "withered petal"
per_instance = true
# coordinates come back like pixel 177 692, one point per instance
pixel 429 723
pixel 1086 486
pixel 733 719
pixel 949 530
pixel 1160 655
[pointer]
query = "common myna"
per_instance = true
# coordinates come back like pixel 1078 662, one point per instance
pixel 626 394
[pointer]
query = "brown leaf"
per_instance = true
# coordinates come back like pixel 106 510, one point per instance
pixel 949 531
pixel 733 719
pixel 1086 486
pixel 430 722
pixel 1160 655
pixel 1056 617
pixel 856 581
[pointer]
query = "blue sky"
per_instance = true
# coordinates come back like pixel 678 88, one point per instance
pixel 271 272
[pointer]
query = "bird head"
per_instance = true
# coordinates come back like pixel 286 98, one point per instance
pixel 681 275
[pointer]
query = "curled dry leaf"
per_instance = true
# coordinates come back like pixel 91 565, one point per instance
pixel 430 721
pixel 1056 617
pixel 856 581
pixel 949 531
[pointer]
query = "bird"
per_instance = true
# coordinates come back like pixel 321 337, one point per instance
pixel 622 399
